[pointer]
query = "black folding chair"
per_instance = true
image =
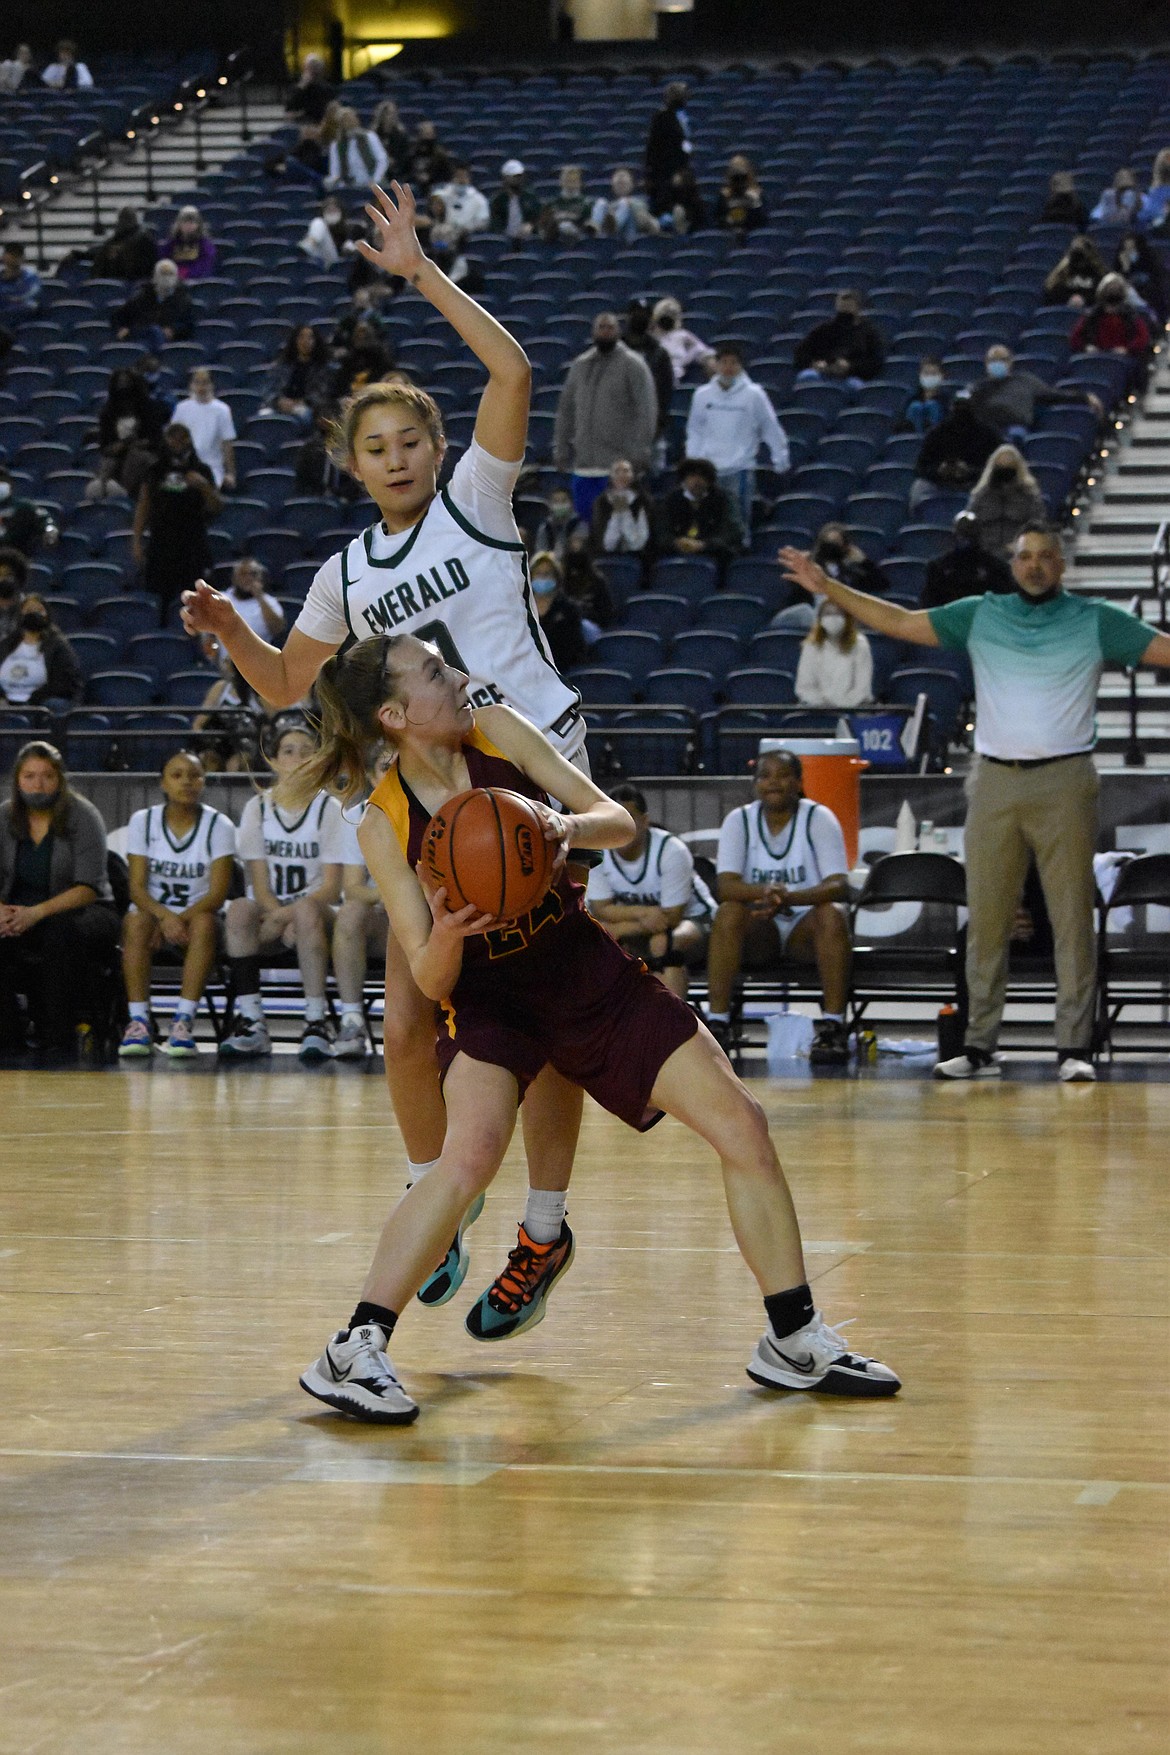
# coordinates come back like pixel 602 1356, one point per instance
pixel 923 965
pixel 1133 973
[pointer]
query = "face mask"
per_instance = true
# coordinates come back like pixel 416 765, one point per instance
pixel 38 800
pixel 1003 472
pixel 544 587
pixel 666 322
pixel 833 624
pixel 930 380
pixel 34 621
pixel 605 343
pixel 1114 302
pixel 5 491
pixel 560 513
pixel 725 380
pixel 831 553
pixel 997 368
pixel 126 426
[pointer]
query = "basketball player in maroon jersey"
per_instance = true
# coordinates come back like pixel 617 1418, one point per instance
pixel 550 988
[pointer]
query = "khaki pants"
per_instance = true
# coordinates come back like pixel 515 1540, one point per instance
pixel 1050 813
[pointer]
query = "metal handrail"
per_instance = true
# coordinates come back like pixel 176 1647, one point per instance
pixel 27 178
pixel 96 149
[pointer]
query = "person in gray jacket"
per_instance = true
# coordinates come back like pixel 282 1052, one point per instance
pixel 608 409
pixel 58 924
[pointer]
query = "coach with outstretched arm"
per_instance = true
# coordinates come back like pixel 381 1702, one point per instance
pixel 1037 656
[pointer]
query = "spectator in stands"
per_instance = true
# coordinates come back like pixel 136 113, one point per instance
pixel 731 417
pixel 967 569
pixel 356 155
pixel 387 125
pixel 249 595
pixel 1005 498
pixel 648 895
pixel 688 210
pixel 1140 263
pixel 668 148
pixel 698 517
pixel 58 925
pixel 1007 399
pixel 953 453
pixel 836 662
pixel 565 218
pixel 429 163
pixel 560 619
pixel 212 429
pixel 157 383
pixel 1064 206
pixel 330 235
pixel 19 73
pixel 1121 203
pixel 317 472
pixel 607 409
pixel 622 214
pixel 363 362
pixel 38 666
pixel 176 504
pixel 1156 201
pixel 1074 279
pixel 129 430
pixel 783 875
pixel 20 289
pixel 553 531
pixel 294 884
pixel 1111 325
pixel 160 311
pixel 23 524
pixel 189 246
pixel 130 251
pixel 13 579
pixel 928 407
pixel 66 72
pixel 684 347
pixel 227 740
pixel 467 206
pixel 740 206
pixel 311 96
pixel 847 349
pixel 640 340
pixel 514 209
pixel 585 584
pixel 299 381
pixel 181 859
pixel 842 558
pixel 620 521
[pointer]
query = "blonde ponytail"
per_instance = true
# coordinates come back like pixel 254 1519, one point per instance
pixel 350 689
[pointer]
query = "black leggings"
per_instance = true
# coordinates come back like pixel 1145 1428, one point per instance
pixel 59 966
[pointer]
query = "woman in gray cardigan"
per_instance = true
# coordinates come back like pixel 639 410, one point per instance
pixel 58 924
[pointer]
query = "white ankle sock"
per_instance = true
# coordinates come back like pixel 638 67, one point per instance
pixel 351 1011
pixel 544 1214
pixel 416 1172
pixel 250 1006
pixel 832 1017
pixel 314 1010
pixel 186 1010
pixel 140 1011
pixel 719 1017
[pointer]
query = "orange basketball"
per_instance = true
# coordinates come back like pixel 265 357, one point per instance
pixel 487 847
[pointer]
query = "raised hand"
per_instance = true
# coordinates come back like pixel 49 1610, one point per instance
pixel 803 571
pixel 206 611
pixel 399 251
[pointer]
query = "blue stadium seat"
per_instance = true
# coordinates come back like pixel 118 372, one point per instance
pixel 776 649
pixel 715 650
pixel 635 653
pixel 187 687
pixel 600 688
pixel 159 653
pixel 944 695
pixel 119 688
pixel 693 577
pixel 95 651
pixel 733 611
pixel 755 685
pixel 90 581
pixel 654 612
pixel 679 686
pixel 132 613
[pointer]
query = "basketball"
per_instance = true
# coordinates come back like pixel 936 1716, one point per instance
pixel 487 847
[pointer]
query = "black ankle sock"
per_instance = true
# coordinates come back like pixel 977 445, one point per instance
pixel 365 1314
pixel 245 976
pixel 788 1311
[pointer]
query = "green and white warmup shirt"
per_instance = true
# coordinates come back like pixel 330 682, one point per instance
pixel 178 873
pixel 459 577
pixel 808 849
pixel 1037 667
pixel 663 876
pixel 297 848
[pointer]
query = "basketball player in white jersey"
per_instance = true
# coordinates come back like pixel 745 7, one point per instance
pixel 649 896
pixel 180 855
pixel 783 873
pixel 450 568
pixel 294 885
pixel 359 932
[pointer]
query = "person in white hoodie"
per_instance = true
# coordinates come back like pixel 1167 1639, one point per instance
pixel 467 206
pixel 730 418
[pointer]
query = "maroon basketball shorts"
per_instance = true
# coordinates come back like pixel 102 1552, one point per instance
pixel 607 1024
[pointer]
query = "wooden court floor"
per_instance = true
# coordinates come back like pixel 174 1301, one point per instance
pixel 601 1538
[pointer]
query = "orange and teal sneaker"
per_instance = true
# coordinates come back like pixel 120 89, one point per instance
pixel 451 1272
pixel 517 1300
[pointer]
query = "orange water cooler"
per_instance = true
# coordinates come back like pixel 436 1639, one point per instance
pixel 832 776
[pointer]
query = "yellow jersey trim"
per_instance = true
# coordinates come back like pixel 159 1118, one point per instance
pixel 389 797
